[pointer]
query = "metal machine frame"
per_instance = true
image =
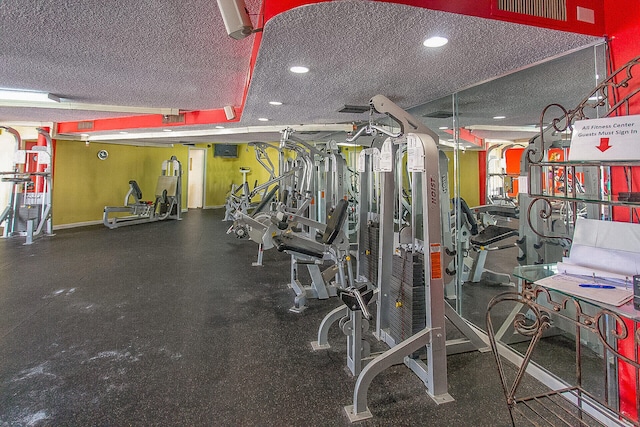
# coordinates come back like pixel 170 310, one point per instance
pixel 29 213
pixel 424 237
pixel 167 203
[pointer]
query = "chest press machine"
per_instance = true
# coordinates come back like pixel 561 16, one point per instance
pixel 310 194
pixel 167 203
pixel 284 229
pixel 332 246
pixel 480 235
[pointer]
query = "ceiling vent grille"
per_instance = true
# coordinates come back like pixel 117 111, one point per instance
pixel 552 9
pixel 439 114
pixel 85 125
pixel 354 109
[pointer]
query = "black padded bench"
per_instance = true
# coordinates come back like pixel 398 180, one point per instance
pixel 493 234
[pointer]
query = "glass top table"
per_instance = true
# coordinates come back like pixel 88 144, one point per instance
pixel 533 273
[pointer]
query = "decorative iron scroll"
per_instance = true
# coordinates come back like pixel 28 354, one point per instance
pixel 600 97
pixel 538 309
pixel 603 97
pixel 545 213
pixel 595 324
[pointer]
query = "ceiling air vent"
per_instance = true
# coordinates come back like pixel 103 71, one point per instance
pixel 439 115
pixel 552 9
pixel 357 109
pixel 85 125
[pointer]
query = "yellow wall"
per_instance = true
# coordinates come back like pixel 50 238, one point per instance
pixel 469 172
pixel 83 184
pixel 351 155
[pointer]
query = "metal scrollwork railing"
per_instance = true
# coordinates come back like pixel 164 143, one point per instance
pixel 545 213
pixel 593 324
pixel 602 97
pixel 541 309
pixel 612 97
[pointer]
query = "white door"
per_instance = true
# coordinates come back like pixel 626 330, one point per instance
pixel 195 196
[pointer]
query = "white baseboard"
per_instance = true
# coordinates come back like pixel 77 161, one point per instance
pixel 99 221
pixel 77 224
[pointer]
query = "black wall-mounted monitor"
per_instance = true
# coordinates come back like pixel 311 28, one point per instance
pixel 225 150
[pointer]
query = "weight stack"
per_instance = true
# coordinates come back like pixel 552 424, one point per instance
pixel 370 253
pixel 406 302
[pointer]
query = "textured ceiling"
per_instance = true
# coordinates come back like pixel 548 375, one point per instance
pixel 165 54
pixel 357 50
pixel 154 53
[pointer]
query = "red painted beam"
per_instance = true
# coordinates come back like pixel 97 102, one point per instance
pixel 466 135
pixel 146 121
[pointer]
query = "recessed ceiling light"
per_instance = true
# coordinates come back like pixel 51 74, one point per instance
pixel 443 127
pixel 219 127
pixel 299 69
pixel 263 119
pixel 435 41
pixel 123 133
pixel 275 102
pixel 166 130
pixel 499 117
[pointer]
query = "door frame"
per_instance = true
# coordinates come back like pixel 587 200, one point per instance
pixel 204 175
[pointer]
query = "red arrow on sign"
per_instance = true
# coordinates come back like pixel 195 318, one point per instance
pixel 604 144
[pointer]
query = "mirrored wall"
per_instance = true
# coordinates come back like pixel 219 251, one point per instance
pixel 484 130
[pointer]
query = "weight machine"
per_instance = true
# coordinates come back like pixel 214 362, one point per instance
pixel 410 281
pixel 29 211
pixel 240 198
pixel 479 235
pixel 167 203
pixel 310 186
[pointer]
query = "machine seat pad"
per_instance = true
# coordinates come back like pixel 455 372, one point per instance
pixel 335 222
pixel 299 249
pixel 288 242
pixel 265 201
pixel 136 189
pixel 493 234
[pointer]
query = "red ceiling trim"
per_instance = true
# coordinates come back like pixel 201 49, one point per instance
pixel 150 121
pixel 466 135
pixel 276 7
